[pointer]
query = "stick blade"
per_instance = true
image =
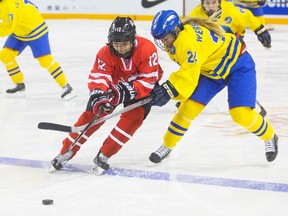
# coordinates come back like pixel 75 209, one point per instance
pixel 53 126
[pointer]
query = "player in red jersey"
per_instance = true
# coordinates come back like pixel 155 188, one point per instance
pixel 128 67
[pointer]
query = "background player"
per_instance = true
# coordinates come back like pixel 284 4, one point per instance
pixel 25 26
pixel 127 66
pixel 233 19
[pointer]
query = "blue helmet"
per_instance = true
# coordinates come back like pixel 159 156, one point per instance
pixel 164 23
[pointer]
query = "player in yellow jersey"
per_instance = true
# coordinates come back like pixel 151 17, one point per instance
pixel 209 60
pixel 233 19
pixel 21 21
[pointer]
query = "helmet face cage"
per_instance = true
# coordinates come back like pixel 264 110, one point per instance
pixel 210 13
pixel 160 44
pixel 165 22
pixel 122 29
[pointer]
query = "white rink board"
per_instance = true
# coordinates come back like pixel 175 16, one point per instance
pixel 106 7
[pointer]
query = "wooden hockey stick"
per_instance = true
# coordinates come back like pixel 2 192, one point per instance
pixel 73 129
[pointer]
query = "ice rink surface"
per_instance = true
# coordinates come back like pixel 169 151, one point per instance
pixel 217 169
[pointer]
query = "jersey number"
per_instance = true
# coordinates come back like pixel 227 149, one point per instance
pixel 192 57
pixel 153 59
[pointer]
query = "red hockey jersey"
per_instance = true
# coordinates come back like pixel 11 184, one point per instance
pixel 142 68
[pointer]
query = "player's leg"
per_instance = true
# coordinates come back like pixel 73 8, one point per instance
pixel 12 48
pixel 65 154
pixel 242 98
pixel 256 124
pixel 123 131
pixel 187 112
pixel 41 51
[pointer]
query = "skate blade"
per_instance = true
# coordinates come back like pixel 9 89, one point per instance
pixel 69 96
pixel 19 94
pixel 97 171
pixel 52 169
pixel 151 164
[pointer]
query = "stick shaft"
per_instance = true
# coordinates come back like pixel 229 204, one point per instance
pixel 66 128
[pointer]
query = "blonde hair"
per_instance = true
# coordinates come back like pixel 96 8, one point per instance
pixel 209 23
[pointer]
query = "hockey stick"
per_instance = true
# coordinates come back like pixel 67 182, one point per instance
pixel 85 129
pixel 262 110
pixel 56 164
pixel 73 129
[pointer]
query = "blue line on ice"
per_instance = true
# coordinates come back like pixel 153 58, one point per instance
pixel 162 176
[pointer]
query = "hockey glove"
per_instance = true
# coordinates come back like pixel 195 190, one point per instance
pixel 161 94
pixel 263 36
pixel 122 92
pixel 100 101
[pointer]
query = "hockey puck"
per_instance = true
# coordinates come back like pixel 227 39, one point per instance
pixel 47 202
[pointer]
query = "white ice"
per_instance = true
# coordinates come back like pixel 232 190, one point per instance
pixel 217 169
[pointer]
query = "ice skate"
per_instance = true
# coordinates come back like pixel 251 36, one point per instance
pixel 17 91
pixel 59 161
pixel 271 147
pixel 161 153
pixel 100 164
pixel 68 92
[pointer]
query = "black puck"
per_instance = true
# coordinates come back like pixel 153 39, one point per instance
pixel 47 201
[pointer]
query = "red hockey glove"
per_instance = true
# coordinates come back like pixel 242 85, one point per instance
pixel 100 101
pixel 122 92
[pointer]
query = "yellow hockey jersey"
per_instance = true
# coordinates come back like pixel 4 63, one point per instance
pixel 199 51
pixel 22 19
pixel 233 19
pixel 251 4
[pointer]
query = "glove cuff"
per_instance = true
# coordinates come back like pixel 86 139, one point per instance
pixel 96 91
pixel 129 91
pixel 260 29
pixel 172 92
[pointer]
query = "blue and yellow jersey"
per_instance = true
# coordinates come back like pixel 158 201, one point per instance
pixel 199 51
pixel 22 19
pixel 233 19
pixel 254 7
pixel 251 4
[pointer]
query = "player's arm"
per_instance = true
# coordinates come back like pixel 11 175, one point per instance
pixel 8 19
pixel 187 75
pixel 250 21
pixel 247 19
pixel 251 3
pixel 181 83
pixel 99 82
pixel 101 73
